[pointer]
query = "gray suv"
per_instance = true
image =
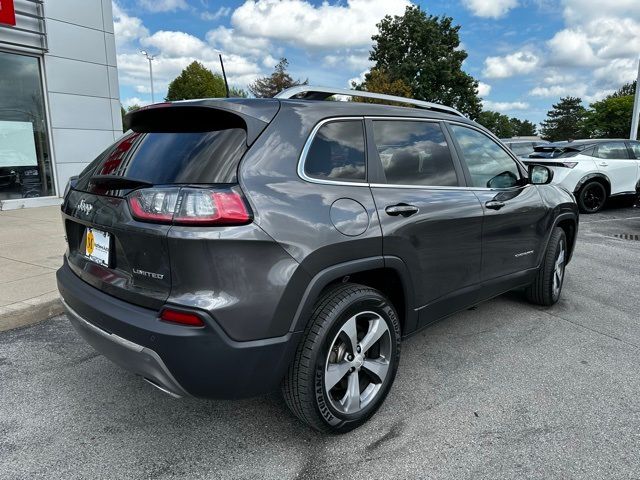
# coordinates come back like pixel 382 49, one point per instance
pixel 226 248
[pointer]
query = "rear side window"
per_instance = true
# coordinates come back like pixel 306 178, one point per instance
pixel 414 153
pixel 168 158
pixel 635 148
pixel 337 152
pixel 612 151
pixel 489 165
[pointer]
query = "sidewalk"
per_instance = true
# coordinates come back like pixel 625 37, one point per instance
pixel 31 248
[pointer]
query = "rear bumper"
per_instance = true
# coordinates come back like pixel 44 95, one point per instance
pixel 202 362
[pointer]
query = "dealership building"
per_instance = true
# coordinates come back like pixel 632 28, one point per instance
pixel 59 95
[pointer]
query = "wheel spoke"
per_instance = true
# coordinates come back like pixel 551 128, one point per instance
pixel 351 400
pixel 335 372
pixel 349 328
pixel 377 328
pixel 378 368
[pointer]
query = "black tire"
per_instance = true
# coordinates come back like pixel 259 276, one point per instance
pixel 592 197
pixel 546 288
pixel 304 385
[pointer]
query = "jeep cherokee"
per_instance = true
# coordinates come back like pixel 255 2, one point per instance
pixel 226 248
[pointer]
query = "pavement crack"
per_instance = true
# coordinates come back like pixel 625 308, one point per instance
pixel 631 344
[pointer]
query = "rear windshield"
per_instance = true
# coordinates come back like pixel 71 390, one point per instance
pixel 167 158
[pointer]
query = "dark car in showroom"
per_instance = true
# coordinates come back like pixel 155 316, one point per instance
pixel 225 248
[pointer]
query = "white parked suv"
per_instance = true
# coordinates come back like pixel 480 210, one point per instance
pixel 594 170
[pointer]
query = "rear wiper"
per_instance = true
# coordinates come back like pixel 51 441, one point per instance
pixel 118 182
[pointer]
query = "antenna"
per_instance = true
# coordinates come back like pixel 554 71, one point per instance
pixel 224 75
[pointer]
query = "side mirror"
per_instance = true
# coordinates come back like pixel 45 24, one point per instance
pixel 540 175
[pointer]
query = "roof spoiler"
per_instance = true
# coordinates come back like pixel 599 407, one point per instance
pixel 201 116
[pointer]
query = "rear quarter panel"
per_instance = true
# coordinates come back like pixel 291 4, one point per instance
pixel 297 213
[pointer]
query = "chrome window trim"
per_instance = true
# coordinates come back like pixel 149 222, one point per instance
pixel 307 146
pixel 309 141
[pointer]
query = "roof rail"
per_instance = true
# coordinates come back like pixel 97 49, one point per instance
pixel 308 92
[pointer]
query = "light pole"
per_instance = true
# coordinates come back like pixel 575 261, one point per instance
pixel 150 58
pixel 636 109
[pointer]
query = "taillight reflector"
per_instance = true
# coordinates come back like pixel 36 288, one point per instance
pixel 183 318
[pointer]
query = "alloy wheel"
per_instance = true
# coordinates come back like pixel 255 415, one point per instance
pixel 594 197
pixel 358 362
pixel 558 271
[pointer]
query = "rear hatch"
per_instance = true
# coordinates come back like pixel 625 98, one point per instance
pixel 177 166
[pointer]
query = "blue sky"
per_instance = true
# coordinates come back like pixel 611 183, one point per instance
pixel 526 53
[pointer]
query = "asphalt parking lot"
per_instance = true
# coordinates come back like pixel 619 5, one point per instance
pixel 506 390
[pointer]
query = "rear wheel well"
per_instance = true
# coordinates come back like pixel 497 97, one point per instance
pixel 386 280
pixel 569 228
pixel 602 180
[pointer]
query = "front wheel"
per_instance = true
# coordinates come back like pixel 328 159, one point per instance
pixel 346 363
pixel 545 289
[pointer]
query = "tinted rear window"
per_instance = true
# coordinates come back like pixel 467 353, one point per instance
pixel 166 158
pixel 337 152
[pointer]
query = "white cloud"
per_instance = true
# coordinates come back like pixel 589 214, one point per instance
pixel 356 60
pixel 484 89
pixel 556 91
pixel 175 44
pixel 270 61
pixel 595 53
pixel 218 14
pixel 359 79
pixel 490 8
pixel 504 106
pixel 571 48
pixel 228 40
pixel 126 28
pixel 129 102
pixel 581 11
pixel 518 63
pixel 324 26
pixel 163 5
pixel 617 72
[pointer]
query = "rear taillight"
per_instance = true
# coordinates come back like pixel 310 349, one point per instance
pixel 190 206
pixel 569 164
pixel 183 318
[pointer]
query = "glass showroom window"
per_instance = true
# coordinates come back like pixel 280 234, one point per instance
pixel 25 162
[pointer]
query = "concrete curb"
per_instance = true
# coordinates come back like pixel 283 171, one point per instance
pixel 30 311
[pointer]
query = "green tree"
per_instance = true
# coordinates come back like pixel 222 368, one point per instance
pixel 625 90
pixel 123 112
pixel 565 121
pixel 522 128
pixel 196 81
pixel 270 86
pixel 235 92
pixel 499 124
pixel 424 52
pixel 611 117
pixel 379 81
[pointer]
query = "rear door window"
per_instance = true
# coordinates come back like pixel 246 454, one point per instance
pixel 613 151
pixel 169 158
pixel 489 165
pixel 635 148
pixel 337 152
pixel 414 153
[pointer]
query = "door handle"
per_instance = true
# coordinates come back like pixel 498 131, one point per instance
pixel 401 209
pixel 494 205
